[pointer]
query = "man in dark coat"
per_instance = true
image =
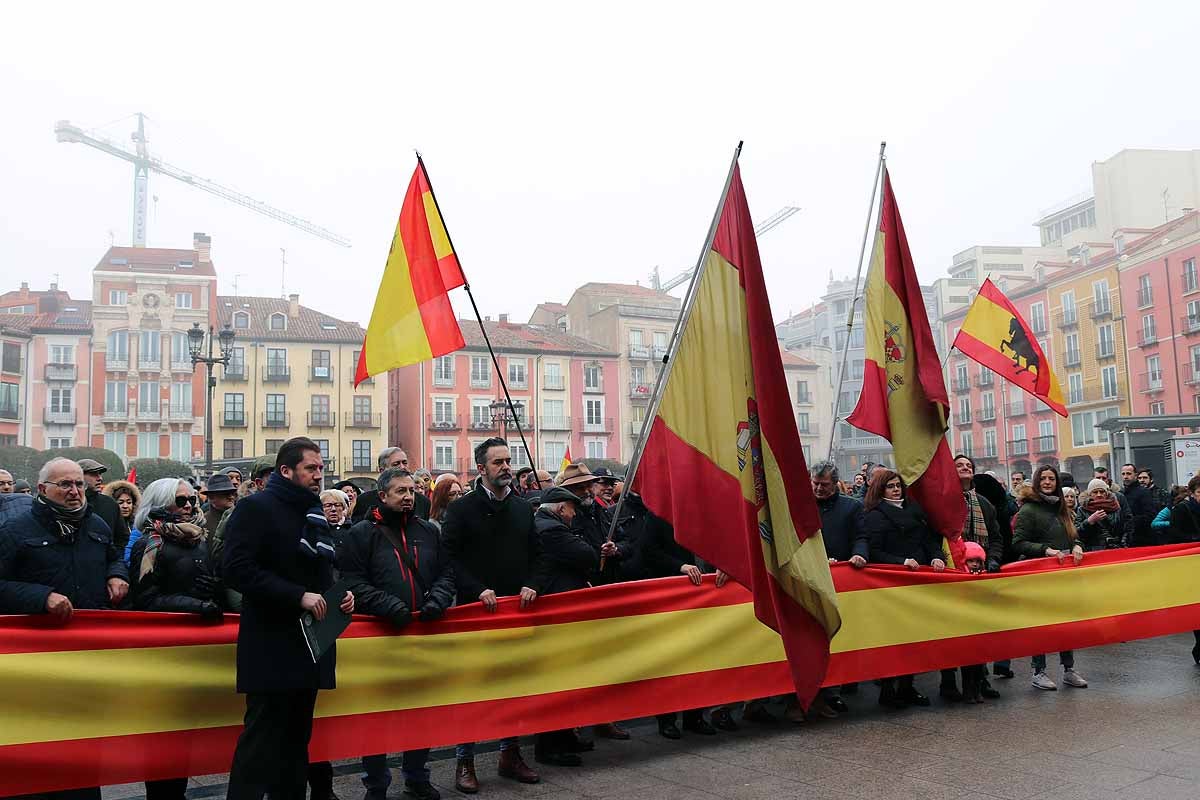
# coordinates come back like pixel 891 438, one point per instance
pixel 591 519
pixel 1158 499
pixel 493 546
pixel 102 505
pixel 390 458
pixel 279 555
pixel 1142 508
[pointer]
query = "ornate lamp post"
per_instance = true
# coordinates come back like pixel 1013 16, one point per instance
pixel 196 338
pixel 502 416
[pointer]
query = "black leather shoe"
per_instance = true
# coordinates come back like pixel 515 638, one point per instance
pixel 950 693
pixel 723 720
pixel 987 691
pixel 669 730
pixel 700 726
pixel 558 759
pixel 1003 672
pixel 421 791
pixel 912 697
pixel 838 705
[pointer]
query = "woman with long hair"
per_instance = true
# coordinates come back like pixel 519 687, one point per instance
pixel 1044 528
pixel 128 497
pixel 446 489
pixel 895 530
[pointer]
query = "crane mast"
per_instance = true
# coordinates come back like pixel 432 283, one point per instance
pixel 143 163
pixel 770 223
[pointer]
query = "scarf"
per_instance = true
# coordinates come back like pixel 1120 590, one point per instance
pixel 1107 503
pixel 183 533
pixel 1049 499
pixel 316 540
pixel 976 528
pixel 68 521
pixel 896 503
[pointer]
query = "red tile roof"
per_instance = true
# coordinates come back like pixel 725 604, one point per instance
pixel 622 288
pixel 514 337
pixel 153 259
pixel 792 360
pixel 17 324
pixel 74 316
pixel 309 326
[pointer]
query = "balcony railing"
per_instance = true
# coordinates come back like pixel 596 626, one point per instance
pixel 987 414
pixel 181 366
pixel 484 423
pixel 1190 324
pixel 659 352
pixel 1072 358
pixel 1090 394
pixel 361 465
pixel 963 417
pixel 639 352
pixel 1102 309
pixel 330 464
pixel 556 424
pixel 985 380
pixel 277 373
pixel 363 419
pixel 320 374
pixel 1018 447
pixel 10 412
pixel 1145 297
pixel 180 413
pixel 1190 284
pixel 448 465
pixel 481 381
pixel 1150 382
pixel 1191 374
pixel 960 384
pixel 1146 339
pixel 1105 350
pixel 1067 319
pixel 451 423
pixel 116 361
pixel 593 388
pixel 443 380
pixel 1016 408
pixel 640 391
pixel 320 419
pixel 1038 325
pixel 151 364
pixel 811 429
pixel 554 382
pixel 61 372
pixel 115 414
pixel 154 413
pixel 276 420
pixel 1044 444
pixel 58 417
pixel 598 426
pixel 234 372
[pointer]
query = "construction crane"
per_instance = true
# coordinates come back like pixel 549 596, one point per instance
pixel 144 163
pixel 768 224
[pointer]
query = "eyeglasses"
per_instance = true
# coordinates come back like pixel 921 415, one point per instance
pixel 331 505
pixel 67 486
pixel 183 500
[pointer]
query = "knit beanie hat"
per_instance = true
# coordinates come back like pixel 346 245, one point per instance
pixel 974 550
pixel 1095 484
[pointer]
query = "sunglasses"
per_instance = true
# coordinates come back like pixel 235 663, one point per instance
pixel 182 500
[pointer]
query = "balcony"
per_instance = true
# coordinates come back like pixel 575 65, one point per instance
pixel 234 372
pixel 320 374
pixel 639 352
pixel 640 391
pixel 443 379
pixel 659 351
pixel 554 382
pixel 1068 318
pixel 484 424
pixel 1190 324
pixel 598 425
pixel 987 414
pixel 12 412
pixel 182 366
pixel 985 380
pixel 1191 374
pixel 1091 394
pixel 361 465
pixel 115 414
pixel 481 381
pixel 1038 325
pixel 593 388
pixel 277 419
pixel 1018 447
pixel 364 419
pixel 1017 408
pixel 1044 444
pixel 811 429
pixel 180 413
pixel 960 385
pixel 330 464
pixel 229 420
pixel 147 414
pixel 963 418
pixel 454 465
pixel 1072 358
pixel 152 364
pixel 61 372
pixel 117 362
pixel 556 424
pixel 445 423
pixel 1145 298
pixel 320 419
pixel 1101 309
pixel 1150 382
pixel 277 373
pixel 635 428
pixel 1105 350
pixel 1147 339
pixel 58 417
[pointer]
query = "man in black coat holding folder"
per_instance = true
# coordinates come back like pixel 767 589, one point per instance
pixel 279 554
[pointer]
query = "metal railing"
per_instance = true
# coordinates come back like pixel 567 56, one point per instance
pixel 595 388
pixel 277 373
pixel 1018 447
pixel 1104 350
pixel 985 380
pixel 556 424
pixel 10 412
pixel 552 382
pixel 58 417
pixel 234 372
pixel 1044 444
pixel 149 413
pixel 604 425
pixel 1072 358
pixel 451 423
pixel 448 465
pixel 443 380
pixel 1150 382
pixel 640 391
pixel 319 419
pixel 811 429
pixel 639 352
pixel 180 413
pixel 659 352
pixel 363 419
pixel 635 428
pixel 61 372
pixel 963 418
pixel 1102 309
pixel 987 414
pixel 1146 339
pixel 960 385
pixel 804 399
pixel 1191 374
pixel 278 420
pixel 116 362
pixel 1017 408
pixel 1066 319
pixel 481 383
pixel 1190 324
pixel 483 424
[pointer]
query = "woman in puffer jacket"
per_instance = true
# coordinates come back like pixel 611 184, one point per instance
pixel 1099 520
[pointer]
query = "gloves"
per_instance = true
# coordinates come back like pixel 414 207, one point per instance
pixel 431 611
pixel 993 565
pixel 401 616
pixel 210 611
pixel 206 585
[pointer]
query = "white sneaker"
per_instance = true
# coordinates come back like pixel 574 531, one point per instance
pixel 1042 681
pixel 1073 678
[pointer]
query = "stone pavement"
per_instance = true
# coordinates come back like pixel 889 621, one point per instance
pixel 1134 734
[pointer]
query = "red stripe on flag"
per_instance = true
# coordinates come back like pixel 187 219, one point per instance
pixel 871 413
pixel 448 266
pixel 429 289
pixel 997 362
pixel 930 490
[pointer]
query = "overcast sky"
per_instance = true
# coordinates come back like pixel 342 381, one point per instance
pixel 569 145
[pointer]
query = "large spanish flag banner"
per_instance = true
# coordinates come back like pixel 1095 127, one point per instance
pixel 996 335
pixel 904 397
pixel 725 423
pixel 115 697
pixel 413 320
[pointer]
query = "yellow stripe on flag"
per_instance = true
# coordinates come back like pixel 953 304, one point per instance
pixel 396 333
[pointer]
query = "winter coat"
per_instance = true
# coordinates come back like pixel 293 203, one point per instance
pixel 14 505
pixel 1104 534
pixel 841 525
pixel 591 523
pixel 893 535
pixel 1004 508
pixel 383 582
pixel 635 525
pixel 216 551
pixel 369 500
pixel 171 585
pixel 1142 509
pixel 35 560
pixel 1162 523
pixel 570 561
pixel 662 556
pixel 996 540
pixel 492 544
pixel 106 508
pixel 1038 526
pixel 1185 523
pixel 263 560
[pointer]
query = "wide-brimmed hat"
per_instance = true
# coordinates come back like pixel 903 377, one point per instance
pixel 219 484
pixel 91 465
pixel 573 475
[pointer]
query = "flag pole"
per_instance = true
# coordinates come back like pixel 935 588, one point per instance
pixel 689 300
pixel 486 340
pixel 837 398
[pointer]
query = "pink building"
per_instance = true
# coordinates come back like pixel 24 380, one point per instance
pixel 567 388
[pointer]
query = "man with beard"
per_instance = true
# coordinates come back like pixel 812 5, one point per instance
pixel 102 505
pixel 494 550
pixel 396 564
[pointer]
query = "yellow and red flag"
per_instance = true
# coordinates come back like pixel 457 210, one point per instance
pixel 904 397
pixel 566 462
pixel 413 320
pixel 724 423
pixel 996 335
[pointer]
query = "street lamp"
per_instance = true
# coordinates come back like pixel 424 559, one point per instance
pixel 502 416
pixel 195 345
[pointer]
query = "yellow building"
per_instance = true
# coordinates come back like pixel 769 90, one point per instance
pixel 1089 354
pixel 292 374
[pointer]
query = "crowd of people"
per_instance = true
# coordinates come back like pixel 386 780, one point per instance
pixel 268 545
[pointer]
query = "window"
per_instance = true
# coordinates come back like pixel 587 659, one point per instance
pixel 362 410
pixel 1145 292
pixel 443 412
pixel 517 377
pixel 360 450
pixel 1045 429
pixel 115 441
pixel 1154 377
pixel 323 446
pixel 635 338
pixel 9 404
pixel 1069 312
pixel 276 409
pixel 181 443
pixel 802 422
pixel 595 448
pixel 321 369
pixel 554 415
pixel 1083 426
pixel 988 406
pixel 181 398
pixel 1158 409
pixel 1037 317
pixel 115 396
pixel 553 373
pixel 1100 299
pixel 278 322
pixel 964 409
pixel 1149 334
pixel 241 321
pixel 989 442
pixel 179 349
pixel 319 410
pixel 232 448
pixel 637 375
pixel 660 341
pixel 235 408
pixel 839 340
pixel 1105 346
pixel 443 455
pixel 856 369
pixel 148 396
pixel 960 377
pixel 1108 380
pixel 147 444
pixel 149 349
pixel 1189 275
pixel 839 307
pixel 237 363
pixel 481 371
pixel 591 377
pixel 517 452
pixel 55 442
pixel 118 346
pixel 60 401
pixel 552 455
pixel 117 297
pixel 1194 351
pixel 481 414
pixel 593 411
pixel 443 371
pixel 183 299
pixel 1072 354
pixel 277 362
pixel 1075 387
pixel 966 445
pixel 272 446
pixel 62 354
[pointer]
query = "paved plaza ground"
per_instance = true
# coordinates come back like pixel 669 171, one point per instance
pixel 1133 734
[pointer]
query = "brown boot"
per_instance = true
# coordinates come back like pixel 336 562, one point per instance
pixel 513 766
pixel 464 776
pixel 610 730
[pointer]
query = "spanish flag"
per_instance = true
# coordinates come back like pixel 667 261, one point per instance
pixel 724 423
pixel 566 462
pixel 997 336
pixel 904 396
pixel 413 320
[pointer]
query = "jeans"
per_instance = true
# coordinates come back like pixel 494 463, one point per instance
pixel 467 749
pixel 1066 657
pixel 413 766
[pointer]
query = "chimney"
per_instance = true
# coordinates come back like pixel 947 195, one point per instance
pixel 202 244
pixel 504 319
pixel 294 306
pixel 25 286
pixel 53 286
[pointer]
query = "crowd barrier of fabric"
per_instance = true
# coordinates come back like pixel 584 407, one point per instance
pixel 115 697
